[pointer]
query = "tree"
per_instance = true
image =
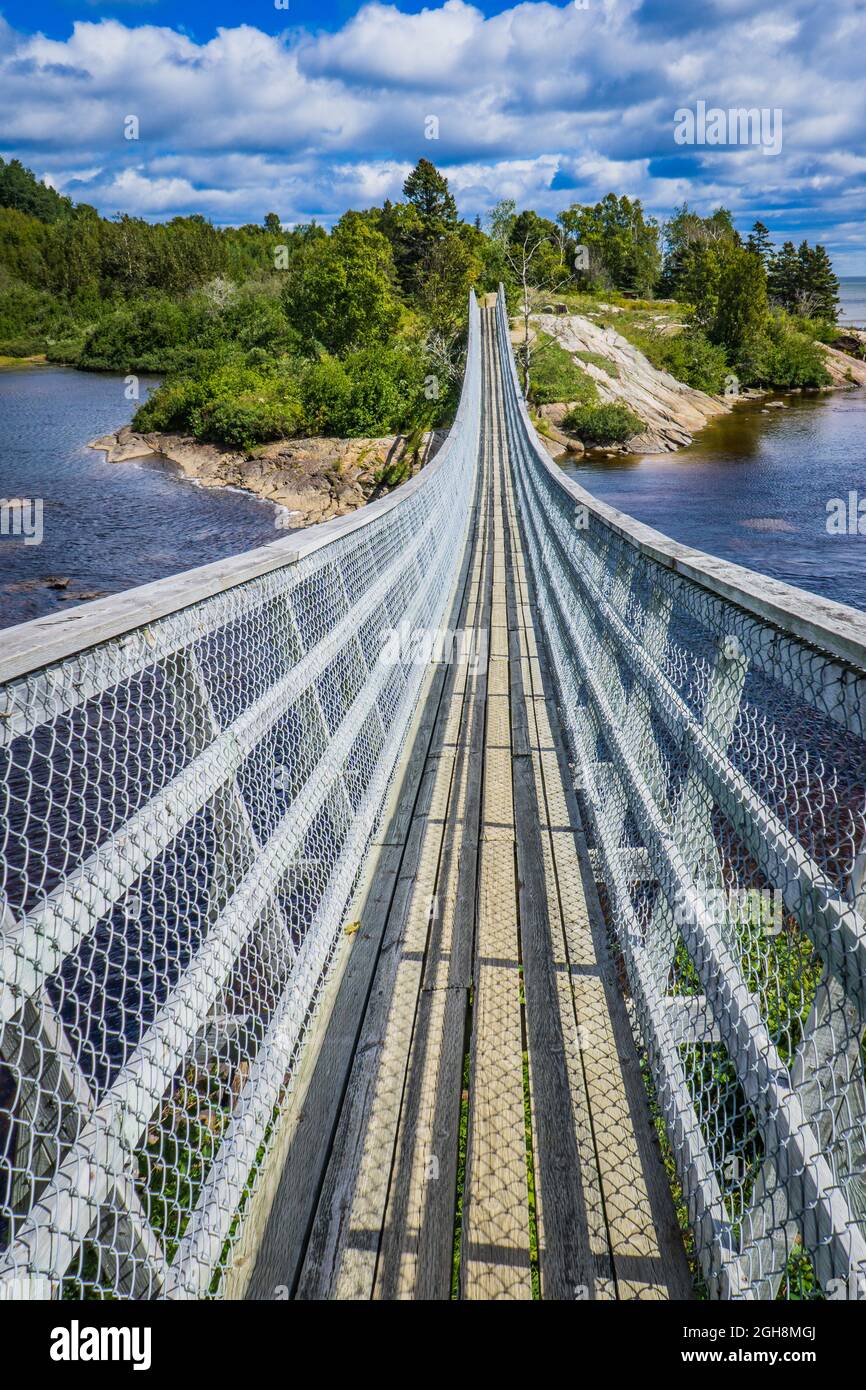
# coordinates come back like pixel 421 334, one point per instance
pixel 340 289
pixel 273 224
pixel 759 242
pixel 684 234
pixel 501 221
pixel 452 268
pixel 621 245
pixel 817 288
pixel 522 258
pixel 20 189
pixel 548 269
pixel 742 312
pixel 783 277
pixel 428 192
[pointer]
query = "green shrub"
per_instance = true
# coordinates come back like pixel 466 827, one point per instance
pixel 821 330
pixel 326 390
pixel 555 376
pixel 692 358
pixel 249 400
pixel 22 347
pixel 246 420
pixel 689 356
pixel 603 424
pixel 784 358
pixel 373 392
pixel 67 350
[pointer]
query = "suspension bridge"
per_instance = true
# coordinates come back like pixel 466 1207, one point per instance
pixel 462 898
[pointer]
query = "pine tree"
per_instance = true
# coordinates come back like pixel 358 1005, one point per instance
pixel 783 277
pixel 427 190
pixel 759 242
pixel 818 288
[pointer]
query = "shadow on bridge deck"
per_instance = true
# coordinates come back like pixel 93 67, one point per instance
pixel 471 1115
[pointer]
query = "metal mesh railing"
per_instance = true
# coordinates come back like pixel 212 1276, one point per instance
pixel 185 803
pixel 718 730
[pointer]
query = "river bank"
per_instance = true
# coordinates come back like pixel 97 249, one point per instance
pixel 104 529
pixel 672 412
pixel 761 486
pixel 309 480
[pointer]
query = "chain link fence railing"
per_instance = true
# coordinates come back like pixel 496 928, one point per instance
pixel 717 722
pixel 190 775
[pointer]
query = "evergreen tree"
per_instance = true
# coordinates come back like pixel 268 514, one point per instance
pixel 818 288
pixel 427 190
pixel 759 242
pixel 783 277
pixel 20 188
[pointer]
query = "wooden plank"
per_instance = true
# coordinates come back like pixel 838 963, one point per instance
pixel 270 1256
pixel 307 1127
pixel 648 1254
pixel 418 1235
pixel 495 1254
pixel 574 1253
pixel 343 1249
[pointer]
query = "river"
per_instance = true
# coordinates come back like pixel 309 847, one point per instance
pixel 755 488
pixel 106 526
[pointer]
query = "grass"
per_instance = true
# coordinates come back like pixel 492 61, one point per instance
pixel 555 376
pixel 462 1135
pixel 595 359
pixel 22 361
pixel 532 1201
pixel 670 1167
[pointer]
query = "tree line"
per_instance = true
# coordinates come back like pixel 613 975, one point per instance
pixel 261 329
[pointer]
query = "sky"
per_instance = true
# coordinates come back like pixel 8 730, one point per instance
pixel 309 107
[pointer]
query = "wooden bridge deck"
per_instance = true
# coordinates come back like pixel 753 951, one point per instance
pixel 470 1116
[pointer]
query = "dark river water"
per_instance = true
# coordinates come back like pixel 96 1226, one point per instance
pixel 755 487
pixel 106 526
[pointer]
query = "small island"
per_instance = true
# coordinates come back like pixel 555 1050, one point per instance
pixel 318 369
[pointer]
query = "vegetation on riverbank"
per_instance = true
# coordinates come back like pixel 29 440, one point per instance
pixel 263 332
pixel 602 424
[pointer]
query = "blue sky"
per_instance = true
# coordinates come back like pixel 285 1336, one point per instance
pixel 310 109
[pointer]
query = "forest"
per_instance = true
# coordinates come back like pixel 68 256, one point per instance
pixel 264 330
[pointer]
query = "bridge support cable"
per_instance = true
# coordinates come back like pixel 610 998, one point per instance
pixel 716 721
pixel 190 776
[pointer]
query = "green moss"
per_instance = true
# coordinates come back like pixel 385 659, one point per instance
pixel 462 1136
pixel 532 1201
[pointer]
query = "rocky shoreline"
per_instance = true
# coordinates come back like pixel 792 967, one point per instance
pixel 314 479
pixel 672 412
pixel 309 480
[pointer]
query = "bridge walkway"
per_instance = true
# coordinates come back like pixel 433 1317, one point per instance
pixel 470 1118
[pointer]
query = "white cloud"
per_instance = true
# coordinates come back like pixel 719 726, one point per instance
pixel 542 102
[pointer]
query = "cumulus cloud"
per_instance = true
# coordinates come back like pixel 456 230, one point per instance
pixel 544 102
